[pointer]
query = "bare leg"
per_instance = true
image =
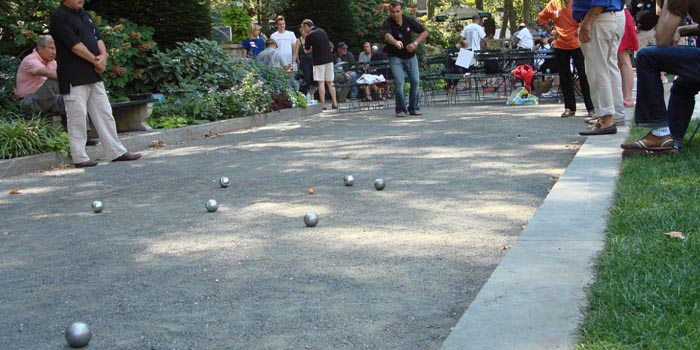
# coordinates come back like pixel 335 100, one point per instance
pixel 322 93
pixel 627 73
pixel 331 91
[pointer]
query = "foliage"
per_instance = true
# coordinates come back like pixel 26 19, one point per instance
pixel 8 74
pixel 237 18
pixel 334 16
pixel 298 99
pixel 21 23
pixel 129 46
pixel 201 65
pixel 174 20
pixel 25 137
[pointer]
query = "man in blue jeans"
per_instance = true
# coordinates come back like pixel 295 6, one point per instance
pixel 669 126
pixel 401 49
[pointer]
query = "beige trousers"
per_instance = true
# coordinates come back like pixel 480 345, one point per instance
pixel 91 99
pixel 601 64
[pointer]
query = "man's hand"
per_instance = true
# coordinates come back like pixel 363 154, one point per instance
pixel 399 44
pixel 584 32
pixel 412 47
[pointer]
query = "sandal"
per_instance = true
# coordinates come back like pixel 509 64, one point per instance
pixel 568 113
pixel 651 142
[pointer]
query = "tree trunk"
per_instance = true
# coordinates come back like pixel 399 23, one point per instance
pixel 527 4
pixel 507 14
pixel 479 4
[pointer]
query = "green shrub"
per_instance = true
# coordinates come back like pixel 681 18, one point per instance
pixel 8 75
pixel 174 20
pixel 21 23
pixel 237 18
pixel 129 46
pixel 25 137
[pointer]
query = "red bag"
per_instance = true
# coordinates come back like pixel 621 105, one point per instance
pixel 524 72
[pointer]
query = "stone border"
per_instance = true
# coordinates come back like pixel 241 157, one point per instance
pixel 142 140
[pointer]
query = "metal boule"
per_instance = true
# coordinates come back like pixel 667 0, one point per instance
pixel 379 184
pixel 212 205
pixel 349 180
pixel 311 219
pixel 78 335
pixel 97 206
pixel 224 181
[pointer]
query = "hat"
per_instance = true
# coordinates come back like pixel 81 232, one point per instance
pixel 342 45
pixel 476 16
pixel 522 25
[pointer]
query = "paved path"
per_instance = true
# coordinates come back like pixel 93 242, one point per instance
pixel 383 270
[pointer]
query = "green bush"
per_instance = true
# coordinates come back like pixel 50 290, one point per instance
pixel 174 20
pixel 129 47
pixel 21 23
pixel 237 18
pixel 8 75
pixel 25 137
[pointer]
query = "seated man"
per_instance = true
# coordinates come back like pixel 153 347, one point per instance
pixel 669 126
pixel 343 57
pixel 37 83
pixel 36 88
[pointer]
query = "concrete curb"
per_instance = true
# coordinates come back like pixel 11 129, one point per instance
pixel 142 140
pixel 532 300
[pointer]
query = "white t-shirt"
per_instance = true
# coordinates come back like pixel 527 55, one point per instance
pixel 473 33
pixel 285 43
pixel 525 38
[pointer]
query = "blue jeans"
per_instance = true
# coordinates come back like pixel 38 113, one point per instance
pixel 399 68
pixel 683 61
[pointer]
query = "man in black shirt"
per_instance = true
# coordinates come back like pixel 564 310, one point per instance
pixel 401 49
pixel 318 45
pixel 82 56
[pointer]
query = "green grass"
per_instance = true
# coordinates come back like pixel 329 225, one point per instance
pixel 647 289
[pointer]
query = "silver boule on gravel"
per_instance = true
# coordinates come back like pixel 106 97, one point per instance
pixel 212 205
pixel 349 180
pixel 224 181
pixel 311 219
pixel 379 184
pixel 78 335
pixel 97 206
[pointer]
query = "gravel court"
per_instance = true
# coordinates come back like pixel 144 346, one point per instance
pixel 383 270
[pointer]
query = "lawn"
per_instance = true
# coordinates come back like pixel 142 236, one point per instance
pixel 647 285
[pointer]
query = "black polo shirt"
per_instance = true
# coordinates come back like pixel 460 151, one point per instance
pixel 403 34
pixel 320 47
pixel 68 28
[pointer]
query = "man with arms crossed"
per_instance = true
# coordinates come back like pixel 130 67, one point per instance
pixel 82 56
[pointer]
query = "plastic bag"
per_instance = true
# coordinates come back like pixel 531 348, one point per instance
pixel 521 97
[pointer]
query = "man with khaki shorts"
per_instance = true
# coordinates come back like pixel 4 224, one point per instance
pixel 318 45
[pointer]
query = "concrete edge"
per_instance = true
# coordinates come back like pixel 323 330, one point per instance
pixel 142 140
pixel 533 299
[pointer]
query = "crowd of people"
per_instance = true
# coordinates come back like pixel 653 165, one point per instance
pixel 603 34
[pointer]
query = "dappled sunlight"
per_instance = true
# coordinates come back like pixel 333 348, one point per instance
pixel 183 245
pixel 283 209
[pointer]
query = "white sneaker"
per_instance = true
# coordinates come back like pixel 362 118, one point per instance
pixel 549 94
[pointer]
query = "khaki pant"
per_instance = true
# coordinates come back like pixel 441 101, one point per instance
pixel 91 99
pixel 601 64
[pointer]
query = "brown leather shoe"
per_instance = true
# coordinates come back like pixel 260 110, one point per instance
pixel 128 156
pixel 599 129
pixel 86 164
pixel 651 142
